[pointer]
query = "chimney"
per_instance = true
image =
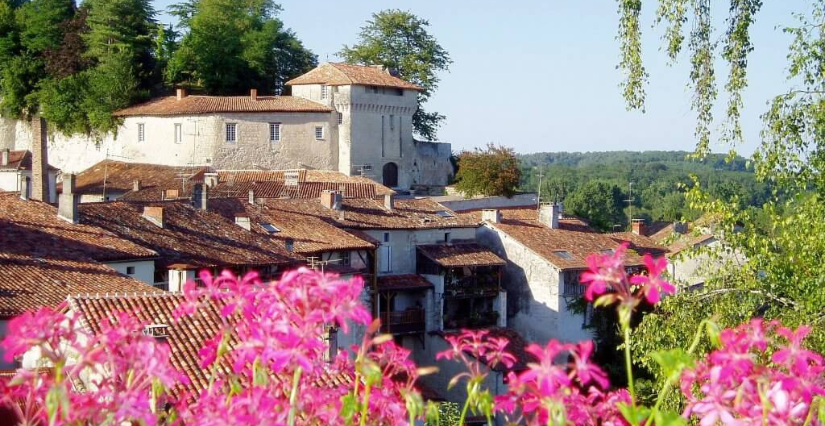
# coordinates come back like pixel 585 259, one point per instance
pixel 211 179
pixel 253 93
pixel 252 196
pixel 4 157
pixel 491 215
pixel 181 93
pixel 680 227
pixel 136 185
pixel 389 202
pixel 560 204
pixel 331 200
pixel 67 203
pixel 154 215
pixel 638 226
pixel 204 201
pixel 549 215
pixel 40 160
pixel 289 244
pixel 24 188
pixel 244 222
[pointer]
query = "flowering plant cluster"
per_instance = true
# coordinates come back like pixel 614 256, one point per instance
pixel 268 364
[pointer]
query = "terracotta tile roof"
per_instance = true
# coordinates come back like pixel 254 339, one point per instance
pixel 194 104
pixel 119 176
pixel 29 282
pixel 566 247
pixel 659 231
pixel 191 236
pixel 462 254
pixel 687 242
pixel 516 346
pixel 640 243
pixel 20 160
pixel 33 229
pixel 337 74
pixel 303 221
pixel 408 213
pixel 185 337
pixel 325 176
pixel 279 189
pixel 403 282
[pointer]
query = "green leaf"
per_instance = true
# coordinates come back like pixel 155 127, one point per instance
pixel 348 407
pixel 668 418
pixel 634 415
pixel 672 362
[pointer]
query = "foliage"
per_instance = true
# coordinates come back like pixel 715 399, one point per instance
pixel 266 365
pixel 597 201
pixel 493 171
pixel 233 46
pixel 660 180
pixel 400 41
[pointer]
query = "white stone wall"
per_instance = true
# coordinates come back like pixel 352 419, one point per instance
pixel 12 181
pixel 402 244
pixel 144 270
pixel 536 308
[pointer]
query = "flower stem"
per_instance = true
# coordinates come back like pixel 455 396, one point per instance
pixel 628 363
pixel 464 411
pixel 293 395
pixel 366 403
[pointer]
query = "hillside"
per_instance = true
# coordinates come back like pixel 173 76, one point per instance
pixel 596 185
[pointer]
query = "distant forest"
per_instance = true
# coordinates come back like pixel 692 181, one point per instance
pixel 596 185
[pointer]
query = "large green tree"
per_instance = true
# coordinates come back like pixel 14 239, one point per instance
pixel 122 27
pixel 492 171
pixel 778 271
pixel 401 41
pixel 599 202
pixel 233 45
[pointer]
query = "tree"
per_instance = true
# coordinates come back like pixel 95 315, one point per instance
pixel 494 171
pixel 778 272
pixel 598 202
pixel 400 41
pixel 233 46
pixel 40 23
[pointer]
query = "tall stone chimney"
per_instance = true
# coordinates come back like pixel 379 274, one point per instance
pixel 549 215
pixel 181 93
pixel 253 94
pixel 638 226
pixel 252 196
pixel 389 202
pixel 491 215
pixel 25 182
pixel 332 200
pixel 67 204
pixel 40 160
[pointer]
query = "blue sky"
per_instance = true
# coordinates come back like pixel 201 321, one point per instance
pixel 540 75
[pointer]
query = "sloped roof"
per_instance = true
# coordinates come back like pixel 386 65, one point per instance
pixel 566 247
pixel 119 176
pixel 197 104
pixel 407 213
pixel 185 336
pixel 279 189
pixel 20 160
pixel 338 74
pixel 320 176
pixel 403 282
pixel 462 254
pixel 190 236
pixel 297 220
pixel 33 229
pixel 640 243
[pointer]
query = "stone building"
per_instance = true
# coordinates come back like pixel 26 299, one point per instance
pixel 353 119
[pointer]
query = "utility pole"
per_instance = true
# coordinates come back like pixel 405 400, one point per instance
pixel 630 206
pixel 538 198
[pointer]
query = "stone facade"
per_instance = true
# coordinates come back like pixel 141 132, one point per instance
pixel 369 132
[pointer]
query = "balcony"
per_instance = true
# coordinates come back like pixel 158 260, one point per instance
pixel 477 285
pixel 403 322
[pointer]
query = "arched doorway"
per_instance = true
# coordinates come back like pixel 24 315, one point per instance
pixel 390 175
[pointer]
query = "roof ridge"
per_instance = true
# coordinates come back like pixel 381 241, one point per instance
pixel 340 71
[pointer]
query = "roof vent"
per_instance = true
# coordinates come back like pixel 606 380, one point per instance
pixel 253 94
pixel 181 93
pixel 136 185
pixel 491 215
pixel 158 331
pixel 244 222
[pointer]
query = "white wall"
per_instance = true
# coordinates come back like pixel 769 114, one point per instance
pixel 403 245
pixel 12 181
pixel 537 309
pixel 144 270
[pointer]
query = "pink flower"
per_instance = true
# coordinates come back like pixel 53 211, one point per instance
pixel 651 284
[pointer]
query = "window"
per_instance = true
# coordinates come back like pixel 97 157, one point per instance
pixel 178 133
pixel 161 275
pixel 386 237
pixel 392 122
pixel 446 237
pixel 340 118
pixel 272 229
pixel 563 254
pixel 324 92
pixel 372 89
pixel 141 132
pixel 231 132
pixel 399 92
pixel 130 270
pixel 345 260
pixel 319 132
pixel 274 132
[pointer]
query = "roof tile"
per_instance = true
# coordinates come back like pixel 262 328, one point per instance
pixel 338 74
pixel 196 104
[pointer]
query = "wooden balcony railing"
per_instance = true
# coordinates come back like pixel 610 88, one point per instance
pixel 401 322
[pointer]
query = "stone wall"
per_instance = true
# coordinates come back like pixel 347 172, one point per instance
pixel 403 243
pixel 432 165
